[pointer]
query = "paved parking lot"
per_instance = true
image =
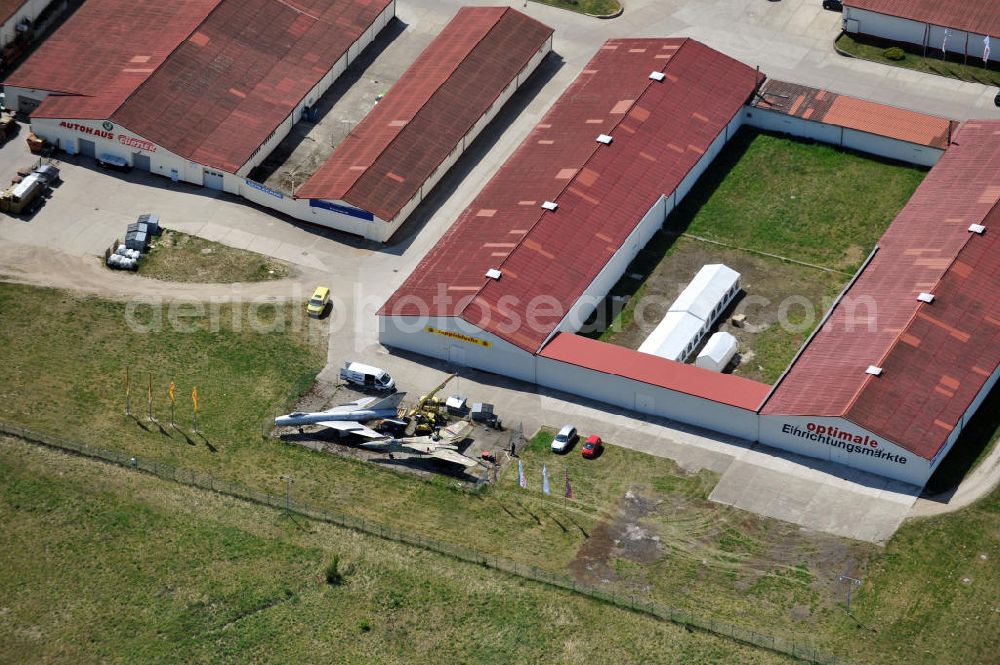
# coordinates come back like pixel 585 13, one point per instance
pixel 789 39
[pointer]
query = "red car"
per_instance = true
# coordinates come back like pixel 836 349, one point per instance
pixel 593 447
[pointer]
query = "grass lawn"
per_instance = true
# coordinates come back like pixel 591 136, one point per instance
pixel 805 201
pixel 103 565
pixel 971 69
pixel 179 257
pixel 593 7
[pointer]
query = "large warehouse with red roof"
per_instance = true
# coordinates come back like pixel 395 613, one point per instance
pixel 201 91
pixel 885 384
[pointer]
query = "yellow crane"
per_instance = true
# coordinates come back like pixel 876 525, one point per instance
pixel 429 412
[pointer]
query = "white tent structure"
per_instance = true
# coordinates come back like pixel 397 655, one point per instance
pixel 693 313
pixel 718 351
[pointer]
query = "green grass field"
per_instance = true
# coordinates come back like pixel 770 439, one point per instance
pixel 805 201
pixel 593 7
pixel 102 565
pixel 954 66
pixel 179 257
pixel 62 375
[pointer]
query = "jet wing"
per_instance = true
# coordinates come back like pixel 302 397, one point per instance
pixel 347 427
pixel 356 405
pixel 453 456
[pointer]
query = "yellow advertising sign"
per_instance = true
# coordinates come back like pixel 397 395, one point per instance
pixel 460 337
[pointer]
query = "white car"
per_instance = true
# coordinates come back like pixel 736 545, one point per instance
pixel 565 439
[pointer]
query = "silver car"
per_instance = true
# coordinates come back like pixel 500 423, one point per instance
pixel 565 439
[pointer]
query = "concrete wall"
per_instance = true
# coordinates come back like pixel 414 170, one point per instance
pixel 816 437
pixel 455 340
pixel 645 398
pixel 915 32
pixel 852 139
pixel 30 11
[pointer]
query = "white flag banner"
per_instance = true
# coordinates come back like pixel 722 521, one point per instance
pixel 944 42
pixel 522 481
pixel 986 50
pixel 545 480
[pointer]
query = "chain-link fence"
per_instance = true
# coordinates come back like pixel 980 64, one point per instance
pixel 784 645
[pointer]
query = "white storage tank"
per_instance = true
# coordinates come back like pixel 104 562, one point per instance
pixel 718 351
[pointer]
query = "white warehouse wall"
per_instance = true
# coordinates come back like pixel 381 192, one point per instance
pixel 817 437
pixel 459 342
pixel 915 32
pixel 29 10
pixel 852 139
pixel 646 398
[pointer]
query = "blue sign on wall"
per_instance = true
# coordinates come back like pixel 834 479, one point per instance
pixel 266 190
pixel 342 209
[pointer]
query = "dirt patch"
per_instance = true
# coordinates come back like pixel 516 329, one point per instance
pixel 781 301
pixel 629 536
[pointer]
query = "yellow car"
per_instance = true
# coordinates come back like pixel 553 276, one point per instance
pixel 317 304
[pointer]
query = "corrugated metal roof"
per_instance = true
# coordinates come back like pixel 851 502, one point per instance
pixel 660 130
pixel 828 107
pixel 620 361
pixel 384 161
pixel 935 356
pixel 980 16
pixel 224 90
pixel 104 51
pixel 209 80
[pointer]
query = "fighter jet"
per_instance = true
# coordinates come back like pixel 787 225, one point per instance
pixel 347 418
pixel 441 446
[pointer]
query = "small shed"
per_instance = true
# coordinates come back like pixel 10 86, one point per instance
pixel 718 351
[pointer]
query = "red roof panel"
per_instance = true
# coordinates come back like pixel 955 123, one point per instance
pixel 226 89
pixel 933 355
pixel 980 16
pixel 620 361
pixel 828 107
pixel 428 111
pixel 104 51
pixel 209 80
pixel 548 259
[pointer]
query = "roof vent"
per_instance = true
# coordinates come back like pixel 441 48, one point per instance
pixel 657 76
pixel 926 297
pixel 493 273
pixel 977 228
pixel 873 370
pixel 549 205
pixel 604 138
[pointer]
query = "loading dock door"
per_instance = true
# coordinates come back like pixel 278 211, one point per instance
pixel 213 179
pixel 140 161
pixel 87 148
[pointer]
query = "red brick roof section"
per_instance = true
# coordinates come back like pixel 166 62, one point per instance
pixel 828 107
pixel 980 16
pixel 620 361
pixel 227 87
pixel 384 161
pixel 935 356
pixel 660 130
pixel 104 51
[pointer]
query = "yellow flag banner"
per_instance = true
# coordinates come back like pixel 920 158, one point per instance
pixel 172 386
pixel 194 398
pixel 150 389
pixel 128 383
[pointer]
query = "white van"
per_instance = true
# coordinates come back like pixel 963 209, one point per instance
pixel 367 377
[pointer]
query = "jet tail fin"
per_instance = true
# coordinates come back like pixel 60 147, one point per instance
pixel 391 402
